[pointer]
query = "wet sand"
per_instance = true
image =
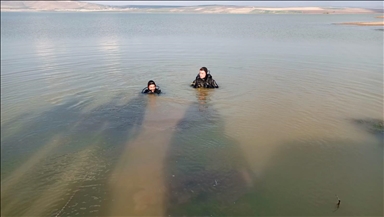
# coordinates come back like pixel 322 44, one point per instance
pixel 364 23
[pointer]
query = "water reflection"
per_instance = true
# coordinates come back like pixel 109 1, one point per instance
pixel 50 69
pixel 203 96
pixel 205 171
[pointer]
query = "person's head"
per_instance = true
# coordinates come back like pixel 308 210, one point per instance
pixel 151 86
pixel 203 72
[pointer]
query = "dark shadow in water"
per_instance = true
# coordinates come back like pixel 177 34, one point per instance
pixel 306 178
pixel 205 170
pixel 373 126
pixel 206 174
pixel 30 164
pixel 111 120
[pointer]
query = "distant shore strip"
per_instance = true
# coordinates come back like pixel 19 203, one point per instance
pixel 380 23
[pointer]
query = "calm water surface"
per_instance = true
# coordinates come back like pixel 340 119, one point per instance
pixel 278 138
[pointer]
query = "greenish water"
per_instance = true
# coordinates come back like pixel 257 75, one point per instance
pixel 278 138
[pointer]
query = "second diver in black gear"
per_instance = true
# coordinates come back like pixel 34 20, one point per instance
pixel 204 80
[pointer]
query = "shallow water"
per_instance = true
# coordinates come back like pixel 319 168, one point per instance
pixel 277 138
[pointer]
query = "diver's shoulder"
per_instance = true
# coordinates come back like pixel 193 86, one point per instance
pixel 145 90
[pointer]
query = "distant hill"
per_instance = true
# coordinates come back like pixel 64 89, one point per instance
pixel 51 5
pixel 378 10
pixel 202 9
pixel 147 6
pixel 13 5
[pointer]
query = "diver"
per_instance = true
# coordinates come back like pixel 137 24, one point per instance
pixel 151 88
pixel 204 80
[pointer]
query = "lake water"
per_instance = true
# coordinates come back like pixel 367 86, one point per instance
pixel 280 137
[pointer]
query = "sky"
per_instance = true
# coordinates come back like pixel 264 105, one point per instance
pixel 364 4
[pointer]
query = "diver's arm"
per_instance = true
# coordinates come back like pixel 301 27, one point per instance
pixel 213 84
pixel 193 84
pixel 144 90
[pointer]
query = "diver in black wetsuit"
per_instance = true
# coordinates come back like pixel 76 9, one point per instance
pixel 151 88
pixel 204 80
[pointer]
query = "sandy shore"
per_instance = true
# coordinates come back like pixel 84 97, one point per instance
pixel 380 17
pixel 381 23
pixel 291 9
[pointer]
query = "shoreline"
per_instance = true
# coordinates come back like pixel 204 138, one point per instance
pixel 198 10
pixel 363 23
pixel 187 12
